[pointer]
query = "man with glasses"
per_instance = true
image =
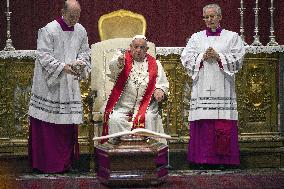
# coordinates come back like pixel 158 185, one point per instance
pixel 140 83
pixel 212 57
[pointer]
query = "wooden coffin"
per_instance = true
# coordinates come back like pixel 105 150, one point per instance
pixel 132 161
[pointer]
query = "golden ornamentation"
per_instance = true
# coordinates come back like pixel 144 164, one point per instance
pixel 122 24
pixel 3 101
pixel 17 87
pixel 256 86
pixel 87 120
pixel 175 114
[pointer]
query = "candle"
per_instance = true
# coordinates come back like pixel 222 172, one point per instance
pixel 8 3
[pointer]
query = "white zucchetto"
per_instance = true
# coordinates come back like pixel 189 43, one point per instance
pixel 139 37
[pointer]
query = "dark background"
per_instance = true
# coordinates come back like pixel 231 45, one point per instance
pixel 169 22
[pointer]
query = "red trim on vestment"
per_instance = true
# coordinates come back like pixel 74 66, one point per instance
pixel 139 121
pixel 118 88
pixel 116 91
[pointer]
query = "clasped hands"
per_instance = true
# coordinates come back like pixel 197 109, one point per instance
pixel 74 68
pixel 210 53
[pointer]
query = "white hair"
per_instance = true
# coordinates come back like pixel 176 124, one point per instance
pixel 214 6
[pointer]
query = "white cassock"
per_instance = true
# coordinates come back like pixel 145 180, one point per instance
pixel 56 96
pixel 213 89
pixel 133 94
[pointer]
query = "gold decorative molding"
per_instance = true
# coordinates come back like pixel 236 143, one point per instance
pixel 175 114
pixel 85 90
pixel 16 87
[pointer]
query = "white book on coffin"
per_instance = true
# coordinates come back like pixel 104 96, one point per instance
pixel 138 131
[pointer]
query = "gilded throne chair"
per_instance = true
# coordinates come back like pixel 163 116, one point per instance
pixel 121 24
pixel 116 30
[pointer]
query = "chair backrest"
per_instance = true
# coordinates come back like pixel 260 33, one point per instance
pixel 102 53
pixel 121 24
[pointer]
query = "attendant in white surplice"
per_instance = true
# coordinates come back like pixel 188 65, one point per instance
pixel 212 57
pixel 140 84
pixel 55 107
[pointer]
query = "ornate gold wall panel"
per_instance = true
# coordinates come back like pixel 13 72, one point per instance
pixel 15 93
pixel 256 85
pixel 3 100
pixel 175 114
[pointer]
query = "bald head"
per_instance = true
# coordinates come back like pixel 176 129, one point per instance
pixel 71 12
pixel 71 4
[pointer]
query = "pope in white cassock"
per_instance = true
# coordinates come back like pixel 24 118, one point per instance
pixel 140 84
pixel 212 57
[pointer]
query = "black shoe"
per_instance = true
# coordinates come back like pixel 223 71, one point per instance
pixel 69 171
pixel 36 171
pixel 198 166
pixel 221 167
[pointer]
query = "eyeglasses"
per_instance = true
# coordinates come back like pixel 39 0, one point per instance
pixel 210 17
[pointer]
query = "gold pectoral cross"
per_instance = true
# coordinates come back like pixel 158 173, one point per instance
pixel 139 124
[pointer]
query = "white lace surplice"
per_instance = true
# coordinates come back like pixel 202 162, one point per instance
pixel 56 96
pixel 213 90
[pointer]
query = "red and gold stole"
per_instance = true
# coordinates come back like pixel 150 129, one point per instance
pixel 139 120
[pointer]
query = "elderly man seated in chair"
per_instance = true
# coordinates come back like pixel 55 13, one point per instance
pixel 140 83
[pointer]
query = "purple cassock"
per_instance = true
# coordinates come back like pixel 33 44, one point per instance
pixel 214 142
pixel 52 147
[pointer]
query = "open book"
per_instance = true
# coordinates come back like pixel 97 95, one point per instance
pixel 138 131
